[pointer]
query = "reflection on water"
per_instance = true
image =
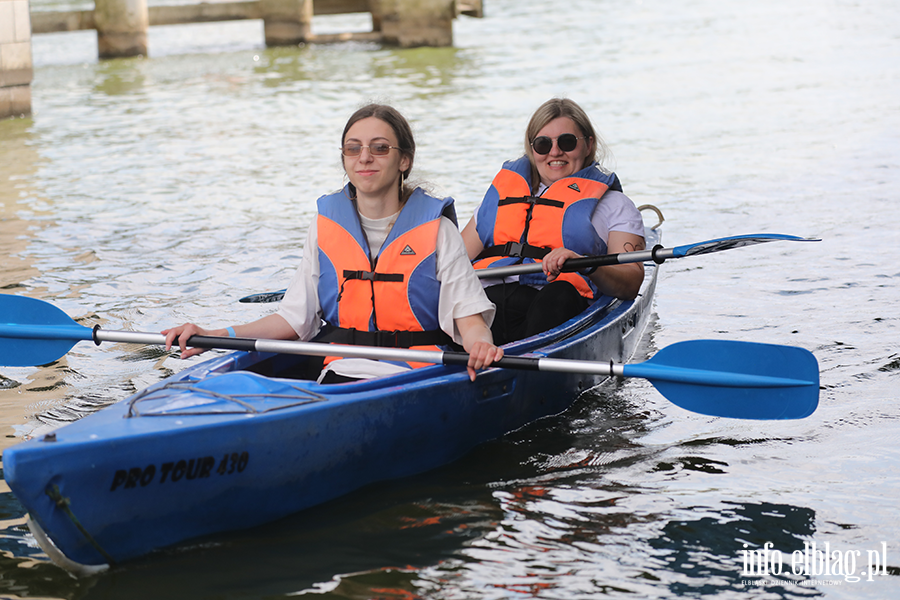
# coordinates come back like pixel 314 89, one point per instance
pixel 120 77
pixel 24 216
pixel 708 550
pixel 18 164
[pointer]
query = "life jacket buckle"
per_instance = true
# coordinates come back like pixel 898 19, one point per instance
pixel 388 339
pixel 513 249
pixel 364 275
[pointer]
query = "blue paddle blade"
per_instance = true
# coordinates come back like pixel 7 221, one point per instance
pixel 736 241
pixel 34 332
pixel 264 297
pixel 740 380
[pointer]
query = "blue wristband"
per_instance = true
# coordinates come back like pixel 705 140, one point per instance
pixel 230 331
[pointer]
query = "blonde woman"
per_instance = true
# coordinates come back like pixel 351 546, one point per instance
pixel 554 203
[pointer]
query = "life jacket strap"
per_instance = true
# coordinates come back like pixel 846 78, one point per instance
pixel 515 249
pixel 373 276
pixel 368 276
pixel 532 200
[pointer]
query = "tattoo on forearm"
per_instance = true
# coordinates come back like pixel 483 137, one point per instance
pixel 629 247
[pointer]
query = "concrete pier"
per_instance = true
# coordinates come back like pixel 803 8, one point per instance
pixel 409 23
pixel 287 22
pixel 121 27
pixel 122 24
pixel 16 71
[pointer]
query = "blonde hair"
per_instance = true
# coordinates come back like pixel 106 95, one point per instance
pixel 554 109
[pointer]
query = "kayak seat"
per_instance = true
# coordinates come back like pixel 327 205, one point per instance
pixel 289 366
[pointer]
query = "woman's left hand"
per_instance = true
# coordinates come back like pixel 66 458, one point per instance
pixel 481 356
pixel 478 342
pixel 553 262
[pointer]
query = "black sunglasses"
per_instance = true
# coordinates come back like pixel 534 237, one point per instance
pixel 566 142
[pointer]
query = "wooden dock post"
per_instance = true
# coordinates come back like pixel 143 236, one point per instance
pixel 121 27
pixel 16 67
pixel 409 23
pixel 287 22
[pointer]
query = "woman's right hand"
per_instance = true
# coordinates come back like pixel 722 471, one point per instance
pixel 553 262
pixel 183 333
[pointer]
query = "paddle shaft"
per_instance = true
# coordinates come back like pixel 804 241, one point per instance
pixel 77 332
pixel 556 365
pixel 346 351
pixel 657 254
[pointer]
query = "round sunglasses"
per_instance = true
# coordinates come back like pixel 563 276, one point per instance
pixel 380 149
pixel 566 142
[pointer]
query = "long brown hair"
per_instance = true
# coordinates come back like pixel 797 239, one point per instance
pixel 400 126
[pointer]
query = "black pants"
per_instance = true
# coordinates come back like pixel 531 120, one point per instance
pixel 523 311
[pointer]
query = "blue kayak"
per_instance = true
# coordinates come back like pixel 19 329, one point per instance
pixel 240 440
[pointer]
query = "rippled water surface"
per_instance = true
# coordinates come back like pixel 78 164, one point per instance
pixel 146 192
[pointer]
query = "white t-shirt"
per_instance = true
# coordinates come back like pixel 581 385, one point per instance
pixel 614 212
pixel 461 293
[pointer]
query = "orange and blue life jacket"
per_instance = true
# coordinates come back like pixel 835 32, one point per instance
pixel 389 300
pixel 516 227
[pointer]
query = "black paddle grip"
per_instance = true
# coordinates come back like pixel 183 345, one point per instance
pixel 223 343
pixel 508 362
pixel 576 264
